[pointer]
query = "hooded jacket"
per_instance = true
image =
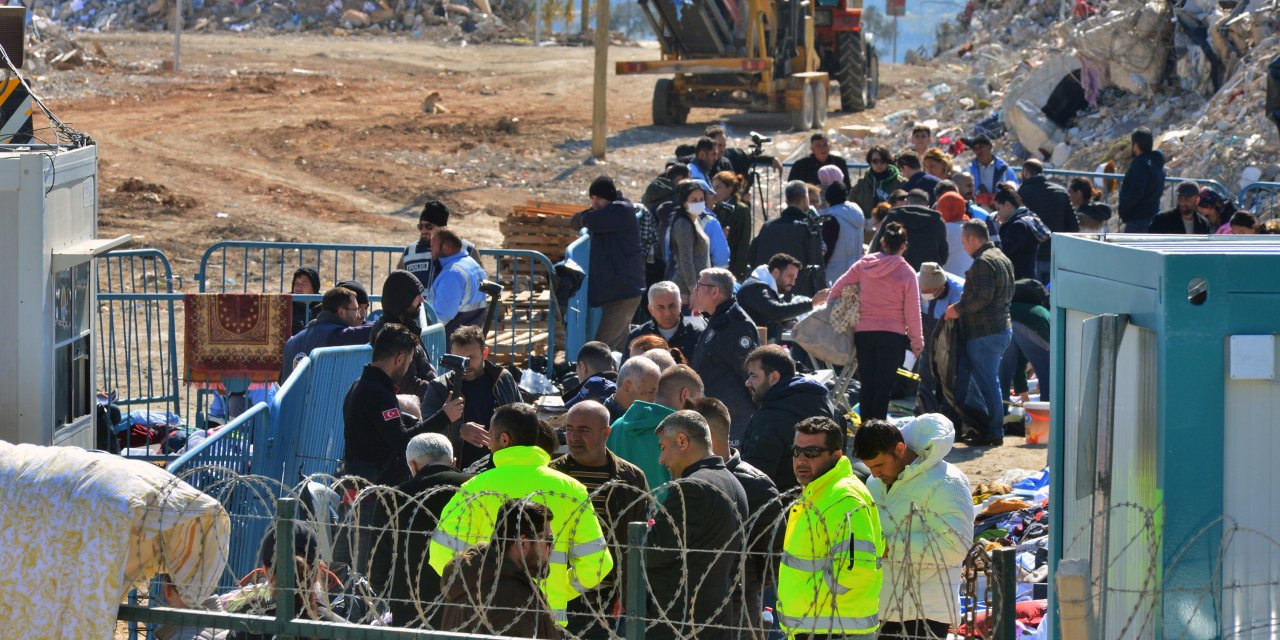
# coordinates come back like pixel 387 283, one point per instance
pixel 1142 187
pixel 721 361
pixel 1050 202
pixel 1020 242
pixel 633 439
pixel 316 335
pixel 789 233
pixel 301 310
pixel 767 442
pixel 485 592
pixel 616 266
pixel 759 297
pixel 398 293
pixel 927 519
pixel 890 296
pixel 926 234
pixel 852 223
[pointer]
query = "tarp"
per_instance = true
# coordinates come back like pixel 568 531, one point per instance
pixel 79 528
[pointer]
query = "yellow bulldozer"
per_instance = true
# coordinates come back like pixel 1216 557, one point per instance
pixel 776 56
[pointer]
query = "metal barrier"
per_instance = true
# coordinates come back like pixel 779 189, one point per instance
pixel 1260 199
pixel 306 416
pixel 136 331
pixel 580 318
pixel 529 323
pixel 230 447
pixel 1170 182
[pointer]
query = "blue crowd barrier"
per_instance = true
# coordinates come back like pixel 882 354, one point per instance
pixel 306 416
pixel 267 267
pixel 581 320
pixel 137 315
pixel 231 447
pixel 1260 198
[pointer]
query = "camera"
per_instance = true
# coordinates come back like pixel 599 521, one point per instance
pixel 451 362
pixel 757 143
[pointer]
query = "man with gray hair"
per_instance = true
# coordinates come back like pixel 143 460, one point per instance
pixel 797 233
pixel 697 534
pixel 405 520
pixel 681 332
pixel 637 380
pixel 721 355
pixel 660 357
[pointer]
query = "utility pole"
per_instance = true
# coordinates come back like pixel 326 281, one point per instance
pixel 177 36
pixel 599 132
pixel 586 8
pixel 895 38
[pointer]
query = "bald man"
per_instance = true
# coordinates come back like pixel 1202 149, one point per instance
pixel 590 462
pixel 637 380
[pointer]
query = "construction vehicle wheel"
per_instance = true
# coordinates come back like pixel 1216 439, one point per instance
pixel 802 119
pixel 852 72
pixel 664 103
pixel 821 102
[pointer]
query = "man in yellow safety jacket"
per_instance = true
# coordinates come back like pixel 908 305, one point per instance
pixel 829 581
pixel 580 557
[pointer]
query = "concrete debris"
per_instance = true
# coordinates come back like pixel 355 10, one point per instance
pixel 1069 90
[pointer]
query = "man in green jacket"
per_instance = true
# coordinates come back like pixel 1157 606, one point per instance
pixel 633 438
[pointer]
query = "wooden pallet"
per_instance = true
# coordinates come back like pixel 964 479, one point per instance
pixel 540 226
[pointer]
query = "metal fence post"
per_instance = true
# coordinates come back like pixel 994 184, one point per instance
pixel 1003 610
pixel 636 600
pixel 286 576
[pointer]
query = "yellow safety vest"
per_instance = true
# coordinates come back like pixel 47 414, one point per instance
pixel 829 581
pixel 580 558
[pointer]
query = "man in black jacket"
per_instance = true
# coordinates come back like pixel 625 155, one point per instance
pixel 793 233
pixel 402 304
pixel 375 430
pixel 483 387
pixel 766 296
pixel 680 331
pixel 616 272
pixel 412 512
pixel 806 169
pixel 764 536
pixel 926 232
pixel 1143 183
pixel 691 556
pixel 1049 201
pixel 721 355
pixel 1183 218
pixel 910 169
pixel 784 399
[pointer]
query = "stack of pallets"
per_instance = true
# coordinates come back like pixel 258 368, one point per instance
pixel 540 226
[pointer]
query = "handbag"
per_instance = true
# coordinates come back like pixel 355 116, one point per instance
pixel 827 332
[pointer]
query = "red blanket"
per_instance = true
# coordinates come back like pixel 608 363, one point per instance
pixel 236 335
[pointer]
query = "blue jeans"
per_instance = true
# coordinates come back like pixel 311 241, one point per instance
pixel 981 367
pixel 1035 349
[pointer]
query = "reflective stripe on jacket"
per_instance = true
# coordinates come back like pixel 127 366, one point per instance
pixel 580 558
pixel 830 578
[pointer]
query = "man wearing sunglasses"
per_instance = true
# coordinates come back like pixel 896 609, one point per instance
pixel 829 581
pixel 417 258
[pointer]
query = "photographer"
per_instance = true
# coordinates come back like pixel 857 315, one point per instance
pixel 741 160
pixel 483 386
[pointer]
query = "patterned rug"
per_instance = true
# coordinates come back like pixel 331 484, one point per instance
pixel 236 335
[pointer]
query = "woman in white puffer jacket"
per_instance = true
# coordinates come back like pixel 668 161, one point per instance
pixel 926 513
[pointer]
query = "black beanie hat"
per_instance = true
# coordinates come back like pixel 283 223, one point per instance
pixel 362 294
pixel 311 274
pixel 436 213
pixel 603 188
pixel 398 292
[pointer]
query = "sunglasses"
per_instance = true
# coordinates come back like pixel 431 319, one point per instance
pixel 810 452
pixel 426 226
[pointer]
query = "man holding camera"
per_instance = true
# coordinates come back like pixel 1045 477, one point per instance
pixel 483 386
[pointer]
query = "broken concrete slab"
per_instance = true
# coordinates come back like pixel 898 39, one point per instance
pixel 1134 45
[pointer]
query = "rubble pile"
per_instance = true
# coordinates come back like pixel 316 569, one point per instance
pixel 50 47
pixel 1070 88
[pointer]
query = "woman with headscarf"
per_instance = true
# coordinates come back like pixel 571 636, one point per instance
pixel 954 212
pixel 306 281
pixel 690 250
pixel 1216 209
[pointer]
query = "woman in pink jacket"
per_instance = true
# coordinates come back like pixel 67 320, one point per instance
pixel 890 319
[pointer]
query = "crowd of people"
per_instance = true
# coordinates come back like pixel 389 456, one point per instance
pixel 693 410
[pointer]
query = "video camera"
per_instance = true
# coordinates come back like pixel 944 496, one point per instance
pixel 757 143
pixel 455 363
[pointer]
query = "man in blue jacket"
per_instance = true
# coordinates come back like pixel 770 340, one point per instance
pixel 1143 183
pixel 338 311
pixel 455 295
pixel 616 270
pixel 988 171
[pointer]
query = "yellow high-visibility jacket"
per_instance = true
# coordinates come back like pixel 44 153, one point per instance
pixel 829 581
pixel 580 558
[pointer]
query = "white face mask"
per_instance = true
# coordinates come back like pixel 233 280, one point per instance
pixel 929 296
pixel 696 208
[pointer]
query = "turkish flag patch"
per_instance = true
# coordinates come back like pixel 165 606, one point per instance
pixel 391 414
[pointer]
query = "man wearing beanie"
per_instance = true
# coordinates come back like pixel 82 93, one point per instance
pixel 954 212
pixel 939 289
pixel 359 334
pixel 615 273
pixel 417 258
pixel 1050 201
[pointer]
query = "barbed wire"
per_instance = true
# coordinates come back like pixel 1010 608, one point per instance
pixel 373 561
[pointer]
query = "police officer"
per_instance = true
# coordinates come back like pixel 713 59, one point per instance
pixel 829 581
pixel 417 257
pixel 376 430
pixel 721 355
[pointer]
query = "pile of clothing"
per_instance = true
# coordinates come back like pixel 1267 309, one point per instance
pixel 1014 512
